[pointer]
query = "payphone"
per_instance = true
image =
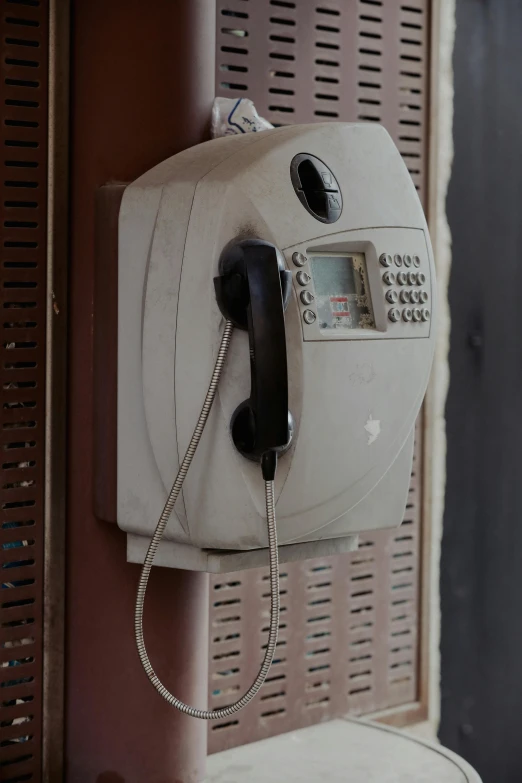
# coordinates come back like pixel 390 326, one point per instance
pixel 292 268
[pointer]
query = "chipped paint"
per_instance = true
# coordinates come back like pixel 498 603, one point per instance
pixel 373 428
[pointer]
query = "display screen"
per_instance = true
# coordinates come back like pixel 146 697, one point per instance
pixel 342 292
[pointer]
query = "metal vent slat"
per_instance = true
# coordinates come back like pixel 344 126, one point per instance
pixel 24 73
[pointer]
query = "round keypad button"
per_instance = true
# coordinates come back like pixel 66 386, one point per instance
pixel 405 296
pixel 394 314
pixel 309 316
pixel 417 315
pixel 416 261
pixel 389 278
pixel 303 278
pixel 406 314
pixel 425 315
pixel 407 260
pixel 402 278
pixel 414 296
pixel 306 297
pixel 421 278
pixel 385 259
pixel 423 296
pixel 398 260
pixel 412 278
pixel 299 259
pixel 391 296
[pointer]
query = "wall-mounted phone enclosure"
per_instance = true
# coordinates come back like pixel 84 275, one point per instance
pixel 359 336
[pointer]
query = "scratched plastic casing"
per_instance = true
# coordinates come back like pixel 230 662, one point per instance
pixel 354 393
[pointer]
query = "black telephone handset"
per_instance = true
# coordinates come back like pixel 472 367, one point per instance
pixel 252 290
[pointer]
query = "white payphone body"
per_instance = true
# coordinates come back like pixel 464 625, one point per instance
pixel 322 223
pixel 338 203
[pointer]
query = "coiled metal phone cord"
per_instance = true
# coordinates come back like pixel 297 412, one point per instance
pixel 155 541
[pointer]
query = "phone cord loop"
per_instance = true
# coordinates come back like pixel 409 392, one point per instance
pixel 223 712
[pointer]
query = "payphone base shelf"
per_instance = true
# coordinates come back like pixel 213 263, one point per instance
pixel 216 561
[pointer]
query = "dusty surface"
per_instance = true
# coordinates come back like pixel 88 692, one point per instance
pixel 341 750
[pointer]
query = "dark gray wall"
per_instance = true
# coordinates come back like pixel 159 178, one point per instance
pixel 481 579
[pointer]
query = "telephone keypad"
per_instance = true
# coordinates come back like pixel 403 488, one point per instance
pixel 406 315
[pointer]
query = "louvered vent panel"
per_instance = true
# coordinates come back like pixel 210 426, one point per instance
pixel 23 28
pixel 412 137
pixel 348 640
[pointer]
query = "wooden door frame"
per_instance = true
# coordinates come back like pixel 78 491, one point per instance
pixel 56 389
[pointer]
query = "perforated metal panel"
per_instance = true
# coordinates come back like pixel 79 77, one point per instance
pixel 312 61
pixel 349 624
pixel 24 47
